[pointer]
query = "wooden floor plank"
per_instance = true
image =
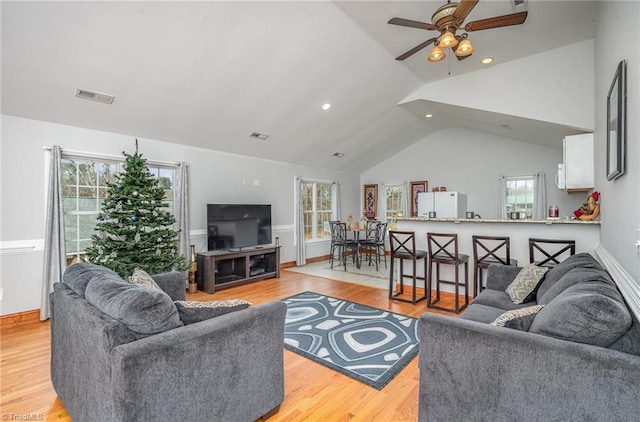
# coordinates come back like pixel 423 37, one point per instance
pixel 312 392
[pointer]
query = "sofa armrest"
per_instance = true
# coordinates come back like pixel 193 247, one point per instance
pixel 477 372
pixel 172 283
pixel 231 366
pixel 500 276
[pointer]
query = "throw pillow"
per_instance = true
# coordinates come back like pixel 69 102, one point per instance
pixel 194 311
pixel 522 288
pixel 141 278
pixel 518 319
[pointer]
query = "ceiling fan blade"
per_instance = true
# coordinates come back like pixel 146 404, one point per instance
pixel 464 8
pixel 412 24
pixel 460 58
pixel 496 22
pixel 415 49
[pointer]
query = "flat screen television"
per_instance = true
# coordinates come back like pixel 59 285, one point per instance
pixel 237 226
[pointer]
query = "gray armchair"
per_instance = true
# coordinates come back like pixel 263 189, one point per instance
pixel 226 368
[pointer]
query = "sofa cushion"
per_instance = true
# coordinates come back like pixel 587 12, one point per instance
pixel 590 312
pixel 630 340
pixel 142 310
pixel 580 260
pixel 79 275
pixel 573 277
pixel 518 319
pixel 498 299
pixel 521 288
pixel 481 313
pixel 141 278
pixel 194 311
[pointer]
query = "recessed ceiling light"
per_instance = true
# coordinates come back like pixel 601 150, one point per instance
pixel 428 116
pixel 487 60
pixel 326 106
pixel 338 154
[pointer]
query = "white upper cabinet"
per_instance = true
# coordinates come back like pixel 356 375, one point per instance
pixel 578 163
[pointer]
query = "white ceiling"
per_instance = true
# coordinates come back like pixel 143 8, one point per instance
pixel 208 74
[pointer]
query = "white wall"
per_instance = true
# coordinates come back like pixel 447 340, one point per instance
pixel 555 86
pixel 470 162
pixel 213 177
pixel 620 203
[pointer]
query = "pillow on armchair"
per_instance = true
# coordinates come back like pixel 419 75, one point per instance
pixel 194 311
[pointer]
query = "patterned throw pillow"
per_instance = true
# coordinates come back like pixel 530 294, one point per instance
pixel 521 288
pixel 518 319
pixel 194 311
pixel 141 278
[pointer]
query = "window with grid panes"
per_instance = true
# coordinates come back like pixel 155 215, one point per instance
pixel 84 187
pixel 520 194
pixel 393 197
pixel 317 208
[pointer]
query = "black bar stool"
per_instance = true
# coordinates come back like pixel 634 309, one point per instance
pixel 443 249
pixel 489 250
pixel 553 251
pixel 403 246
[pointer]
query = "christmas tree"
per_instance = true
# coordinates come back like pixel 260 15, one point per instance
pixel 135 229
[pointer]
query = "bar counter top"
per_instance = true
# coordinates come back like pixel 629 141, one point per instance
pixel 498 220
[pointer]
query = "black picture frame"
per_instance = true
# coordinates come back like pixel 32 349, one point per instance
pixel 616 122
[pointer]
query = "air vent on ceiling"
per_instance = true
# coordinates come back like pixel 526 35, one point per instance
pixel 259 135
pixel 519 5
pixel 338 154
pixel 94 96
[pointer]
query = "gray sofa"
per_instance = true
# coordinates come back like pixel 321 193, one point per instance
pixel 120 352
pixel 579 360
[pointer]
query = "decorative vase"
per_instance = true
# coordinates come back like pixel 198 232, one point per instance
pixel 193 286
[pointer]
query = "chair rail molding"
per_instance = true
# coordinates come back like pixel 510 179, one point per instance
pixel 629 287
pixel 13 247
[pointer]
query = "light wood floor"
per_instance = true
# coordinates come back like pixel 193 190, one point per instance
pixel 312 391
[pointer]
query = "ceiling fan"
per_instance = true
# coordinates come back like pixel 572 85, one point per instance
pixel 448 19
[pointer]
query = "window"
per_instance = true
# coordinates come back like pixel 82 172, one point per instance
pixel 520 194
pixel 317 208
pixel 393 198
pixel 84 187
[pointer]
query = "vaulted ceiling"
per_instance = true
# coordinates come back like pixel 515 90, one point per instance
pixel 208 74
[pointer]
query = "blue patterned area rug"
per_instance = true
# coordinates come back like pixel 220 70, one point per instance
pixel 368 344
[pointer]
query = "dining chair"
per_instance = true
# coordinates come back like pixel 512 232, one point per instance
pixel 344 244
pixel 374 243
pixel 443 249
pixel 403 247
pixel 489 250
pixel 334 245
pixel 550 252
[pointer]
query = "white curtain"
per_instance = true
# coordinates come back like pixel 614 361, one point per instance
pixel 406 206
pixel 55 260
pixel 540 196
pixel 301 258
pixel 382 203
pixel 181 208
pixel 335 198
pixel 501 203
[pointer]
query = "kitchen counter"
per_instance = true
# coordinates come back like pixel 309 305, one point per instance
pixel 585 233
pixel 497 220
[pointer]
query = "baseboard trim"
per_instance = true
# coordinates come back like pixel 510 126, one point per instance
pixel 20 317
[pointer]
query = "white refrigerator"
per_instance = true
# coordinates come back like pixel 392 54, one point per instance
pixel 444 204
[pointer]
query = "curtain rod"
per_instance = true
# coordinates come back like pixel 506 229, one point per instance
pixel 99 156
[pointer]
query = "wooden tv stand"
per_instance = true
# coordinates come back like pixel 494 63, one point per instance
pixel 222 268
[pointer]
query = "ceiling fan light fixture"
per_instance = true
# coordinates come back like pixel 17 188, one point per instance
pixel 436 54
pixel 448 40
pixel 464 48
